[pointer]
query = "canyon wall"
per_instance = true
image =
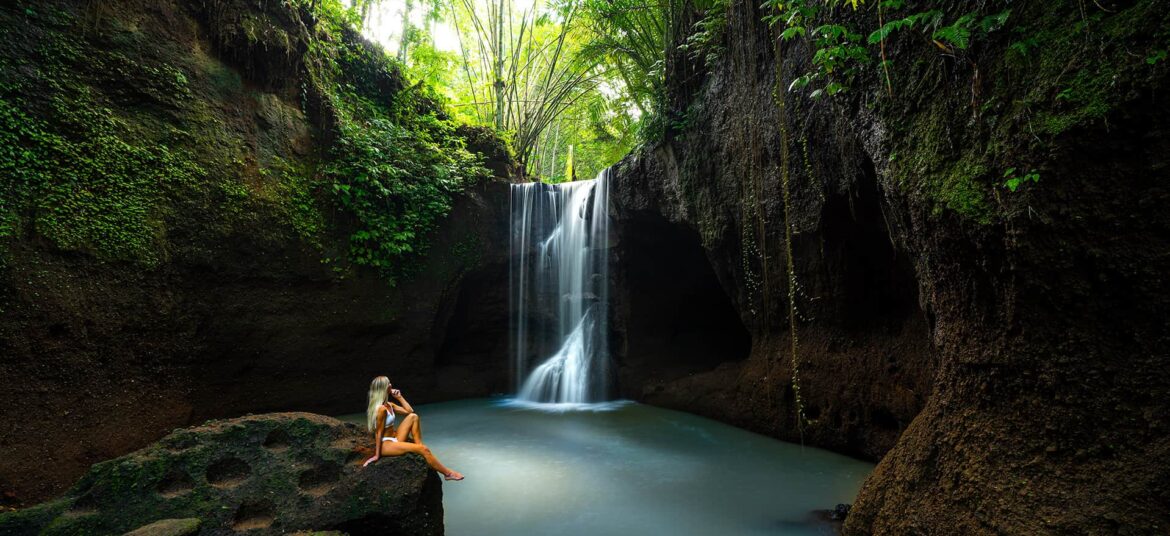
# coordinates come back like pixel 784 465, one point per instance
pixel 848 271
pixel 1004 348
pixel 241 298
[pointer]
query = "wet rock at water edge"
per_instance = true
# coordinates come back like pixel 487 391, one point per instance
pixel 264 474
pixel 839 513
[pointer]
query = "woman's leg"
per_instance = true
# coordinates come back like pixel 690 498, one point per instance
pixel 409 426
pixel 393 448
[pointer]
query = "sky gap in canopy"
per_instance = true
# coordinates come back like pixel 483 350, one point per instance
pixel 563 90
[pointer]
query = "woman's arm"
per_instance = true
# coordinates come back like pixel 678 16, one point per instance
pixel 404 408
pixel 379 432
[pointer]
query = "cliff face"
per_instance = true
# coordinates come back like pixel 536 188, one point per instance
pixel 1004 348
pixel 708 209
pixel 196 268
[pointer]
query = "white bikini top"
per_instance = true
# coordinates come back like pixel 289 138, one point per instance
pixel 389 416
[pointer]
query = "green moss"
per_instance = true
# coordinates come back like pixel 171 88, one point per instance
pixel 70 169
pixel 85 186
pixel 1085 99
pixel 962 188
pixel 1058 72
pixel 302 430
pixel 395 169
pixel 107 145
pixel 30 520
pixel 299 200
pixel 468 251
pixel 1078 69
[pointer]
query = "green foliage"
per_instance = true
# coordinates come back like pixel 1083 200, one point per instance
pixel 294 193
pixel 74 172
pixel 925 18
pixel 1013 181
pixel 839 52
pixel 958 33
pixel 394 168
pixel 396 159
pixel 104 147
pixel 599 131
pixel 90 191
pixel 632 38
pixel 705 42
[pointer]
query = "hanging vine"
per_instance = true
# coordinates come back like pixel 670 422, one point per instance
pixel 778 96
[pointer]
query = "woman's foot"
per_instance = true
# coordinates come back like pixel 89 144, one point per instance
pixel 453 475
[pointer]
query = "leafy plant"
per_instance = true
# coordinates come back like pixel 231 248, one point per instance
pixel 1013 181
pixel 923 19
pixel 839 53
pixel 705 43
pixel 395 169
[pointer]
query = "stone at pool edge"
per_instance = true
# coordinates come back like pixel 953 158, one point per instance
pixel 168 527
pixel 266 474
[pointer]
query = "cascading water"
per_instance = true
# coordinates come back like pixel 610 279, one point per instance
pixel 559 286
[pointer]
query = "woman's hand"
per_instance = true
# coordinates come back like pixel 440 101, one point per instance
pixel 396 393
pixel 372 459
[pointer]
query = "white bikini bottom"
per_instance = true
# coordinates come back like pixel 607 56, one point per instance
pixel 394 439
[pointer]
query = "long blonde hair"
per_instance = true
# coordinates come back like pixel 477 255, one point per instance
pixel 378 389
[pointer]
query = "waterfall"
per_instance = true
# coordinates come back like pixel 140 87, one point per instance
pixel 559 290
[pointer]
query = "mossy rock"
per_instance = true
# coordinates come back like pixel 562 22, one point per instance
pixel 264 474
pixel 168 527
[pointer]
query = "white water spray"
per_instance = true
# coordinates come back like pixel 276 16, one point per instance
pixel 560 265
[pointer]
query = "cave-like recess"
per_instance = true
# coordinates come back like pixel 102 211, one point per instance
pixel 672 317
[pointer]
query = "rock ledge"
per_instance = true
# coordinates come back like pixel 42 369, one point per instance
pixel 264 474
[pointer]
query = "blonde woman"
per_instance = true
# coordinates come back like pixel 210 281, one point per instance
pixel 391 440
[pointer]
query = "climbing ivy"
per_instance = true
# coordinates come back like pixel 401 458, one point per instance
pixel 396 159
pixel 72 171
pixel 395 171
pixel 91 191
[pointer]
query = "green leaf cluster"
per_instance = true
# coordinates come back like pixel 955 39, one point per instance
pixel 74 172
pixel 394 165
pixel 1013 181
pixel 840 53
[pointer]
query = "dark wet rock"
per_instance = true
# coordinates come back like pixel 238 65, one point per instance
pixel 224 477
pixel 839 513
pixel 1003 352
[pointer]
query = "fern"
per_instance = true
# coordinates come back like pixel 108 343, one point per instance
pixel 924 19
pixel 957 34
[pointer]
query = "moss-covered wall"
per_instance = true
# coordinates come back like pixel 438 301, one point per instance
pixel 215 207
pixel 113 126
pixel 964 123
pixel 963 261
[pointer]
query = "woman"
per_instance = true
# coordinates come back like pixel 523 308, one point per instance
pixel 391 440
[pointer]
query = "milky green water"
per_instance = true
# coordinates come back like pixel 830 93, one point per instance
pixel 625 469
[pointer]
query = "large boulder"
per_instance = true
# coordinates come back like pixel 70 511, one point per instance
pixel 264 474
